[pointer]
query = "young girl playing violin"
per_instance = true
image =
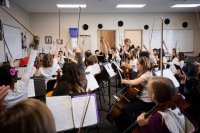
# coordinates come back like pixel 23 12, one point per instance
pixel 142 103
pixel 171 120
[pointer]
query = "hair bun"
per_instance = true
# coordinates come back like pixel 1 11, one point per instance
pixel 13 72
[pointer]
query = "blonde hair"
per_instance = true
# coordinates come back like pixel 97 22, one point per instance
pixel 126 40
pixel 28 116
pixel 145 62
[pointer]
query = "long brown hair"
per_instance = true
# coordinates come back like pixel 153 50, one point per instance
pixel 163 89
pixel 28 116
pixel 174 49
pixel 73 80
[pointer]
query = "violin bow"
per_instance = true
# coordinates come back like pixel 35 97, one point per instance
pixel 78 25
pixel 87 101
pixel 161 48
pixel 16 20
pixel 9 14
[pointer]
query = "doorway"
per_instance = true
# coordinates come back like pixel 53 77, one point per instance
pixel 106 40
pixel 135 36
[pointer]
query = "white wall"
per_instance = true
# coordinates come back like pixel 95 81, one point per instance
pixel 21 15
pixel 47 24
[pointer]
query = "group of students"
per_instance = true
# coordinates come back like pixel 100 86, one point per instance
pixel 21 115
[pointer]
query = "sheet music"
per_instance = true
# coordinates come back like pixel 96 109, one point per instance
pixel 91 82
pixel 109 69
pixel 31 88
pixel 61 109
pixel 167 73
pixel 78 104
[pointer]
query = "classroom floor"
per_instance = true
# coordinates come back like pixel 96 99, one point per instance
pixel 104 126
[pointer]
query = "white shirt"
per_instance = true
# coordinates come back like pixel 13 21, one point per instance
pixel 20 91
pixel 175 61
pixel 144 94
pixel 133 64
pixel 61 60
pixel 49 71
pixel 176 122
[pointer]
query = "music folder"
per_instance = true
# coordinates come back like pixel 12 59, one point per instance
pixel 109 69
pixel 68 111
pixel 91 82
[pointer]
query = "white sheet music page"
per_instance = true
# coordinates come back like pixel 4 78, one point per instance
pixel 31 88
pixel 91 82
pixel 167 73
pixel 78 104
pixel 110 70
pixel 61 109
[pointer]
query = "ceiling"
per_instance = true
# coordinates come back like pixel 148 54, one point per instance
pixel 105 6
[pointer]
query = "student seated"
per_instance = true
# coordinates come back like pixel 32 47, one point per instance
pixel 142 101
pixel 73 79
pixel 18 88
pixel 28 116
pixel 49 67
pixel 169 120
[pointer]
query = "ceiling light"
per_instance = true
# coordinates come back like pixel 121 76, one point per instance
pixel 71 5
pixel 130 5
pixel 185 5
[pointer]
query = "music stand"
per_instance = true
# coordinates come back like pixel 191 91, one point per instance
pixel 101 58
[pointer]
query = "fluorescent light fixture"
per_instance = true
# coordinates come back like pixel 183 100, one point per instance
pixel 71 5
pixel 185 5
pixel 130 5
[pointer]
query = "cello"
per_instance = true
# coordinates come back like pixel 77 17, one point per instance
pixel 128 95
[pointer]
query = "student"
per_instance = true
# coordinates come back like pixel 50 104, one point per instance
pixel 18 88
pixel 172 53
pixel 61 59
pixel 74 79
pixel 28 116
pixel 142 103
pixel 124 52
pixel 179 62
pixel 49 65
pixel 115 56
pixel 162 90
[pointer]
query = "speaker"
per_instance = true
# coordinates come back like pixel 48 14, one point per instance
pixel 146 27
pixel 185 24
pixel 100 26
pixel 120 23
pixel 167 21
pixel 85 27
pixel 1 31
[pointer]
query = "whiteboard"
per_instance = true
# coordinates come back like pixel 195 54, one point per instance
pixel 183 38
pixel 12 37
